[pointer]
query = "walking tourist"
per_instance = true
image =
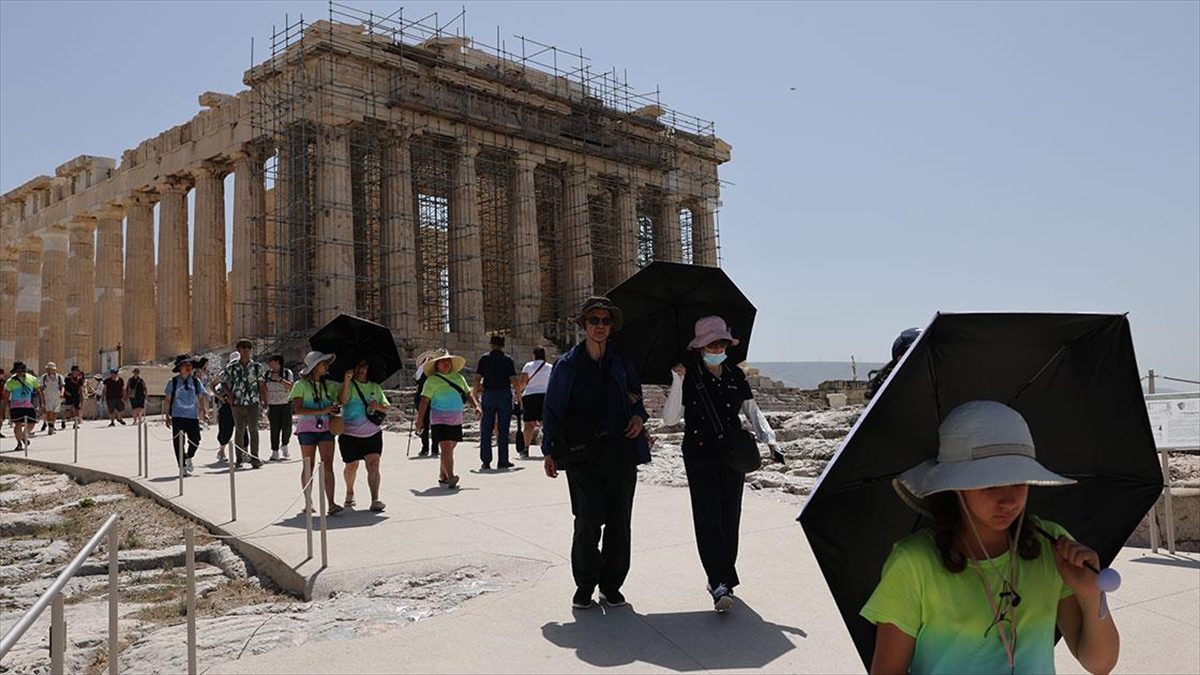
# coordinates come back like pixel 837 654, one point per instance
pixel 443 398
pixel 592 423
pixel 494 377
pixel 364 406
pixel 246 381
pixel 19 390
pixel 531 387
pixel 716 393
pixel 135 391
pixel 114 397
pixel 3 399
pixel 50 388
pixel 73 392
pixel 201 372
pixel 223 399
pixel 948 598
pixel 314 403
pixel 186 403
pixel 279 381
pixel 424 426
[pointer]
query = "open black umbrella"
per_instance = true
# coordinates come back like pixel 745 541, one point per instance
pixel 661 304
pixel 353 339
pixel 1072 376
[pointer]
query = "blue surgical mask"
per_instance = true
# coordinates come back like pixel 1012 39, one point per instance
pixel 714 359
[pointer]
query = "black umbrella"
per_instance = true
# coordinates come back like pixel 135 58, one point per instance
pixel 1072 376
pixel 353 339
pixel 661 304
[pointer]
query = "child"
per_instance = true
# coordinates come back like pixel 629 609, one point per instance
pixel 954 598
pixel 443 396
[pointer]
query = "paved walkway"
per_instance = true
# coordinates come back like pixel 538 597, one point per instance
pixel 517 524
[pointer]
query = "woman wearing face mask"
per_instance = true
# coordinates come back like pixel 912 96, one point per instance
pixel 714 386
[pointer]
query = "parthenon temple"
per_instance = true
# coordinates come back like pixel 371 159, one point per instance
pixel 387 168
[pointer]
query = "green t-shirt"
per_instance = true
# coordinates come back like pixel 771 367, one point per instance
pixel 950 617
pixel 311 399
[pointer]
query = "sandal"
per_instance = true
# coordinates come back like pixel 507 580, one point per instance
pixel 377 506
pixel 349 500
pixel 335 509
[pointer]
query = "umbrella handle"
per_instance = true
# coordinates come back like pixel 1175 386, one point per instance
pixel 1108 580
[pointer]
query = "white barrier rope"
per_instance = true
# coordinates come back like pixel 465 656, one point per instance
pixel 289 507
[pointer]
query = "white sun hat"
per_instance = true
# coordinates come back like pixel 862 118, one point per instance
pixel 312 358
pixel 981 444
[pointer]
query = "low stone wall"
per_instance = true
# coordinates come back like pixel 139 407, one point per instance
pixel 1185 503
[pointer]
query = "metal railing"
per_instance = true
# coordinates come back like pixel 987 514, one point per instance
pixel 53 596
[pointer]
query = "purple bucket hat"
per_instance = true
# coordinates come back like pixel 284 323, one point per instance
pixel 710 329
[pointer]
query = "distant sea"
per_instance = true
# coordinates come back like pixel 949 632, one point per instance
pixel 808 374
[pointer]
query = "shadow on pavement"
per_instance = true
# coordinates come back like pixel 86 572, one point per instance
pixel 1186 563
pixel 439 491
pixel 681 641
pixel 347 518
pixel 495 472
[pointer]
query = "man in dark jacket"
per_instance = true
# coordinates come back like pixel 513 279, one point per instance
pixel 592 427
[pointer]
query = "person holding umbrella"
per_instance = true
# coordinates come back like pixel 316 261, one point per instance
pixel 981 591
pixel 443 397
pixel 592 426
pixel 314 402
pixel 717 393
pixel 363 408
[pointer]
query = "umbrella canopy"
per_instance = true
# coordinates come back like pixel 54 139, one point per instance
pixel 353 339
pixel 661 304
pixel 1073 377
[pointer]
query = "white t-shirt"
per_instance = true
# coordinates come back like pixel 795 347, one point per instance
pixel 537 383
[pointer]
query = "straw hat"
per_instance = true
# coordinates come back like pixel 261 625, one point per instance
pixel 312 358
pixel 981 444
pixel 456 362
pixel 710 329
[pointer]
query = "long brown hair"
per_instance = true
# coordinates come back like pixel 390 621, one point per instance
pixel 948 519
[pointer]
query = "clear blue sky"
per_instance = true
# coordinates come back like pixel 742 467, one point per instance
pixel 889 159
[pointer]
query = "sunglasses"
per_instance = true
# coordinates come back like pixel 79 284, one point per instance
pixel 599 321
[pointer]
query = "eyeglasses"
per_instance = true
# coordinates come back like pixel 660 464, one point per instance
pixel 599 321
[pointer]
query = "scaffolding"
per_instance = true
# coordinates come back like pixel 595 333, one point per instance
pixel 334 95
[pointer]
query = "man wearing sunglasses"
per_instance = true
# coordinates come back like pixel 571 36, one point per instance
pixel 592 428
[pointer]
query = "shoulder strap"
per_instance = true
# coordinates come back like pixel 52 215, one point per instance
pixel 359 392
pixel 702 389
pixel 452 383
pixel 538 370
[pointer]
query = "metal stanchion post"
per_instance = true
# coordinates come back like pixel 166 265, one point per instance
pixel 232 491
pixel 179 454
pixel 308 476
pixel 146 448
pixel 113 596
pixel 58 634
pixel 321 499
pixel 139 435
pixel 191 599
pixel 75 431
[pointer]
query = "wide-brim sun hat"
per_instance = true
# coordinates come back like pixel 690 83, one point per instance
pixel 981 444
pixel 312 358
pixel 710 329
pixel 600 302
pixel 457 363
pixel 182 359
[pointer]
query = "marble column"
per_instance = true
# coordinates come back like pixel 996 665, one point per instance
pixel 526 263
pixel 81 308
pixel 52 331
pixel 209 316
pixel 398 238
pixel 140 279
pixel 333 264
pixel 249 275
pixel 110 277
pixel 280 232
pixel 576 254
pixel 29 301
pixel 8 305
pixel 173 333
pixel 465 246
pixel 668 240
pixel 704 232
pixel 625 204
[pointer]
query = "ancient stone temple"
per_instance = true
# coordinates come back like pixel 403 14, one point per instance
pixel 384 168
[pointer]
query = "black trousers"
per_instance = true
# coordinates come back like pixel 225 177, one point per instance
pixel 716 492
pixel 425 433
pixel 602 503
pixel 190 427
pixel 280 418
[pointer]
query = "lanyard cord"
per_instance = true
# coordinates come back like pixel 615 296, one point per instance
pixel 1010 645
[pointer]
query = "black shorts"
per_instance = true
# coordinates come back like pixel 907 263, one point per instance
pixel 446 432
pixel 354 448
pixel 531 407
pixel 20 415
pixel 136 403
pixel 116 405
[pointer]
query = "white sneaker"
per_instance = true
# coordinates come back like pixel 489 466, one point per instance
pixel 274 455
pixel 187 465
pixel 285 452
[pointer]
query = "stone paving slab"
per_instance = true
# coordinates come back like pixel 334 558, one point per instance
pixel 518 524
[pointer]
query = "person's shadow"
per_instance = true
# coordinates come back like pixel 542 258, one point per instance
pixel 682 641
pixel 347 518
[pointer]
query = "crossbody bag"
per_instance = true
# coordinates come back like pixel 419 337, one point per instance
pixel 375 417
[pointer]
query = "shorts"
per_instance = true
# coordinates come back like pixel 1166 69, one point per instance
pixel 311 438
pixel 354 448
pixel 115 405
pixel 70 408
pixel 531 407
pixel 19 415
pixel 446 432
pixel 137 403
pixel 52 403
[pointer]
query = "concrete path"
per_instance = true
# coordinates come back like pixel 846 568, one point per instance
pixel 517 524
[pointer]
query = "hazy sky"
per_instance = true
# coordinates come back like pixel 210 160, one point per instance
pixel 889 160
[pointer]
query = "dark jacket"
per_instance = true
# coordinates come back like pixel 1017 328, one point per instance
pixel 558 396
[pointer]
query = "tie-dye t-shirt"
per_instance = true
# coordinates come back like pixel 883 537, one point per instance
pixel 314 399
pixel 355 413
pixel 445 403
pixel 950 617
pixel 20 391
